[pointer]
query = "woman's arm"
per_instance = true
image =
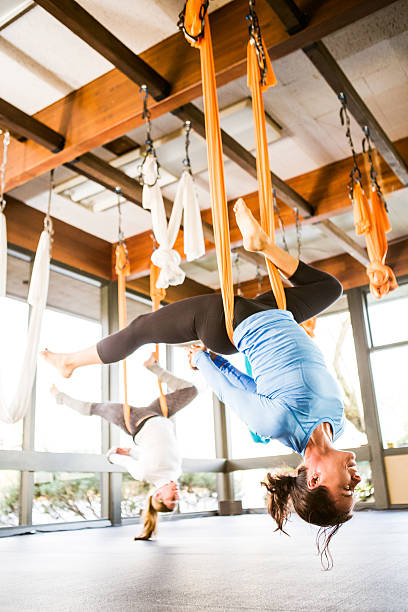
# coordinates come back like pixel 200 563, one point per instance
pixel 128 461
pixel 234 375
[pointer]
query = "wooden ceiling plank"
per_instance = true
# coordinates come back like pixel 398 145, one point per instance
pixel 81 23
pixel 110 106
pixel 24 126
pixel 325 63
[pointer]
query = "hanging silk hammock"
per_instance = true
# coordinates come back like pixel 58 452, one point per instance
pixel 157 295
pixel 260 78
pixel 37 299
pixel 165 257
pixel 196 27
pixel 372 221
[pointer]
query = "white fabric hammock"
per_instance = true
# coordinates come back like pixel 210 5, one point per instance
pixel 37 298
pixel 165 257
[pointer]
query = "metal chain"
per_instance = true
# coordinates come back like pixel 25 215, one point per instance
pixel 259 279
pixel 181 22
pixel 276 208
pixel 149 146
pixel 48 227
pixel 367 148
pixel 355 174
pixel 256 38
pixel 237 263
pixel 186 160
pixel 298 232
pixel 121 234
pixel 6 142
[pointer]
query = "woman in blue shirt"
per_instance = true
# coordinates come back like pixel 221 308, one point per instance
pixel 292 397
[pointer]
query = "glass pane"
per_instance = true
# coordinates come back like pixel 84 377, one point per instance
pixel 248 488
pixel 13 334
pixel 18 275
pixel 195 423
pixel 365 490
pixel 9 497
pixel 134 496
pixel 389 369
pixel 388 316
pixel 142 384
pixel 198 492
pixel 333 335
pixel 61 497
pixel 57 427
pixel 71 293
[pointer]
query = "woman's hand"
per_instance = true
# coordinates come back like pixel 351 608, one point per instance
pixel 191 351
pixel 123 451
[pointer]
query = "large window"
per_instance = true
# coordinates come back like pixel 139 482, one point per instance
pixel 388 331
pixel 195 423
pixel 333 335
pixel 61 498
pixel 57 427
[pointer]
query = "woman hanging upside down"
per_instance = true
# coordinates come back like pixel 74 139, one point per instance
pixel 292 397
pixel 156 457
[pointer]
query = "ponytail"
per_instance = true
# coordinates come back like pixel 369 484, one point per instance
pixel 150 516
pixel 312 505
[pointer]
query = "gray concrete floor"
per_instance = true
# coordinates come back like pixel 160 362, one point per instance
pixel 214 563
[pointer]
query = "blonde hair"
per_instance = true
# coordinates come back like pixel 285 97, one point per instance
pixel 150 517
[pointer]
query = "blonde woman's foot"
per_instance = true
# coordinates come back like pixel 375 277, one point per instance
pixel 150 361
pixel 60 361
pixel 254 238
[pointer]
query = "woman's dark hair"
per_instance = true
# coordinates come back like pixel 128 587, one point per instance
pixel 312 505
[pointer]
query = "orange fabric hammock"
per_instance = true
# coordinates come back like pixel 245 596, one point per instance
pixel 215 161
pixel 122 269
pixel 262 160
pixel 374 223
pixel 157 295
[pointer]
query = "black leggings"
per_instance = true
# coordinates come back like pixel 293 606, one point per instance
pixel 202 317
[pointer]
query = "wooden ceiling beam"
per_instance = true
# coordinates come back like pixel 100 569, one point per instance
pixel 110 106
pixel 290 15
pixel 325 63
pixel 92 32
pixel 189 288
pixel 24 126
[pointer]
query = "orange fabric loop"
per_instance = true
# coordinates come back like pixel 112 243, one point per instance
pixel 262 160
pixel 157 295
pixel 374 223
pixel 215 161
pixel 122 269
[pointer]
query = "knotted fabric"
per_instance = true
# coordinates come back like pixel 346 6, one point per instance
pixel 165 257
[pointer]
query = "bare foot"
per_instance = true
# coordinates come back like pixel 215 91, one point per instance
pixel 59 361
pixel 151 361
pixel 255 239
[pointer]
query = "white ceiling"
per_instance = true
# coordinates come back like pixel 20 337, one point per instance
pixel 42 61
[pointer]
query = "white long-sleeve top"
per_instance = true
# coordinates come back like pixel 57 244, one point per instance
pixel 156 457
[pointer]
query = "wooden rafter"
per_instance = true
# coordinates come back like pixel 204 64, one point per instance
pixel 22 125
pixel 290 15
pixel 80 22
pixel 322 59
pixel 110 106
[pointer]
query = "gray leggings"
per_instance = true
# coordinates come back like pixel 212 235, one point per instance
pixel 182 394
